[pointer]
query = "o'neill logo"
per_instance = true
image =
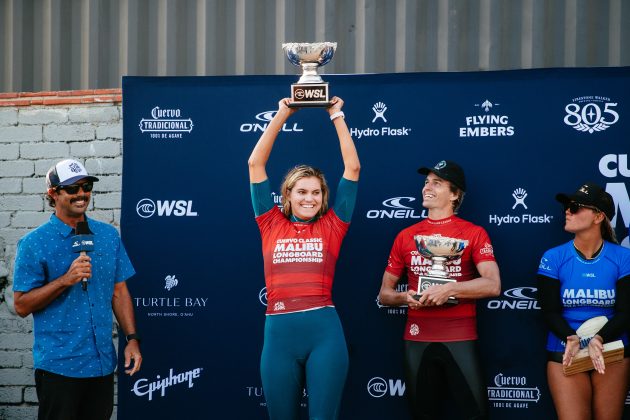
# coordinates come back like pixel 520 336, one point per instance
pixel 512 392
pixel 147 208
pixel 519 195
pixel 589 114
pixel 264 118
pixel 517 298
pixel 166 124
pixel 487 125
pixel 379 109
pixel 397 208
pixel 170 282
pixel 143 387
pixel 378 387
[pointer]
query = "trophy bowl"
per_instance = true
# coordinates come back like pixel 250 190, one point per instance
pixel 438 249
pixel 309 56
pixel 440 246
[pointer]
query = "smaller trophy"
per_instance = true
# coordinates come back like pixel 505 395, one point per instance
pixel 310 90
pixel 439 249
pixel 613 351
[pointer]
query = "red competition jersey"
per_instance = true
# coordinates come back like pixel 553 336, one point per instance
pixel 300 260
pixel 444 323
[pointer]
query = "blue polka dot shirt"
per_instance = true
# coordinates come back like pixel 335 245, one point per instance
pixel 73 334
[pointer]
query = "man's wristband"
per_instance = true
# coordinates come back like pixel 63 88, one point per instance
pixel 337 114
pixel 133 336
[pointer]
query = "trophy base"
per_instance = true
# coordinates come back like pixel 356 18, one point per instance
pixel 309 95
pixel 427 281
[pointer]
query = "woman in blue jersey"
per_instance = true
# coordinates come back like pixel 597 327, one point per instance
pixel 579 280
pixel 304 344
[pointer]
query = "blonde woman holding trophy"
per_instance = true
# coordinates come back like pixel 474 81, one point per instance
pixel 304 343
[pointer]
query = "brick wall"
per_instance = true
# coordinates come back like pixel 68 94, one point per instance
pixel 36 130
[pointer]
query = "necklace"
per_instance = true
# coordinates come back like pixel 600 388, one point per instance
pixel 595 254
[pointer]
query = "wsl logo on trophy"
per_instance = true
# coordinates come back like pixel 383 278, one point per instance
pixel 439 249
pixel 310 90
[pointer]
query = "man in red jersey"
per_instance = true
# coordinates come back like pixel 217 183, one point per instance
pixel 441 354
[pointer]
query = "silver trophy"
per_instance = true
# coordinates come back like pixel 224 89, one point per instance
pixel 439 249
pixel 310 90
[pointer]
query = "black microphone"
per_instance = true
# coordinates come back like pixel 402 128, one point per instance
pixel 83 242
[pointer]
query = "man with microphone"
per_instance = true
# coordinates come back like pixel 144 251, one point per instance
pixel 72 294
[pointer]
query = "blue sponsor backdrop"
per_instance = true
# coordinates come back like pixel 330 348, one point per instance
pixel 187 222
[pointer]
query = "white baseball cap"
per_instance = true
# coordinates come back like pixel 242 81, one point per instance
pixel 67 172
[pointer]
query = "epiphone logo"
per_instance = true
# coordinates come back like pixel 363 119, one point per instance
pixel 143 387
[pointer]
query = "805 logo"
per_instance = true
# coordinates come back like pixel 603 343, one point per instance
pixel 591 113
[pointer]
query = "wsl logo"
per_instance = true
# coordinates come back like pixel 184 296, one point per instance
pixel 590 114
pixel 487 125
pixel 517 298
pixel 519 195
pixel 378 387
pixel 262 296
pixel 379 109
pixel 396 208
pixel 265 117
pixel 166 124
pixel 147 208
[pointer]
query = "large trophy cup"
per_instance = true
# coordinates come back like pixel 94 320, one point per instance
pixel 310 90
pixel 439 249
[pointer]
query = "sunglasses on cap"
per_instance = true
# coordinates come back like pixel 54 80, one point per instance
pixel 74 188
pixel 574 207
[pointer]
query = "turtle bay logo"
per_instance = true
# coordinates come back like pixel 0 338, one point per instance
pixel 170 282
pixel 166 124
pixel 147 208
pixel 519 195
pixel 487 124
pixel 590 114
pixel 263 119
pixel 512 392
pixel 142 387
pixel 517 298
pixel 379 109
pixel 396 208
pixel 172 306
pixel 258 393
pixel 378 387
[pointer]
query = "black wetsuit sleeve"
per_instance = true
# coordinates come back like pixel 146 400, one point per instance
pixel 551 305
pixel 620 322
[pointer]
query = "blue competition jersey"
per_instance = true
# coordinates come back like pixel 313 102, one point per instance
pixel 587 287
